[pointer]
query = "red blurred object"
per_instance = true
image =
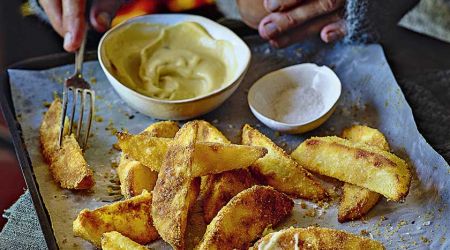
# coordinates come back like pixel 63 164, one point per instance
pixel 13 185
pixel 142 7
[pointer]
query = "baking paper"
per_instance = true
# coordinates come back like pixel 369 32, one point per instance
pixel 370 96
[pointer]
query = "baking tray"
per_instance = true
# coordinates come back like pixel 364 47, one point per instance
pixel 343 59
pixel 7 107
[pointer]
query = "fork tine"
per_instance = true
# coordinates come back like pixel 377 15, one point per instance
pixel 91 114
pixel 74 104
pixel 80 117
pixel 63 116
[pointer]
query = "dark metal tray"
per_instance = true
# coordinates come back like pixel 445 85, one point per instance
pixel 7 107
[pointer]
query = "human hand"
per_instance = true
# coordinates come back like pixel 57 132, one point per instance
pixel 294 20
pixel 67 17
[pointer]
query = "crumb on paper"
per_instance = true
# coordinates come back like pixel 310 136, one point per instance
pixel 93 80
pixel 98 118
pixel 46 104
pixel 310 212
pixel 110 127
pixel 303 205
pixel 116 147
pixel 114 164
pixel 425 240
pixel 364 232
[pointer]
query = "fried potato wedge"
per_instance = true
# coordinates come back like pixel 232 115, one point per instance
pixel 69 168
pixel 357 201
pixel 279 170
pixel 367 135
pixel 135 177
pixel 218 189
pixel 67 164
pixel 356 163
pixel 315 238
pixel 174 193
pixel 163 129
pixel 131 217
pixel 245 217
pixel 116 241
pixel 222 188
pixel 49 130
pixel 209 157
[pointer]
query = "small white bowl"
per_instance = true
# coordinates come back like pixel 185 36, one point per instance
pixel 187 108
pixel 265 91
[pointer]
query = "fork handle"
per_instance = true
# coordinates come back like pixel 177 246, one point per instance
pixel 79 56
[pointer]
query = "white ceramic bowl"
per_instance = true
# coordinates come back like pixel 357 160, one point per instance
pixel 263 93
pixel 187 108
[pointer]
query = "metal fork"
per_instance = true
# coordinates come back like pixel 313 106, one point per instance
pixel 79 88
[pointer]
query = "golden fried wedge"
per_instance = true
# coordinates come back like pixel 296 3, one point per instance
pixel 218 189
pixel 245 217
pixel 357 201
pixel 315 238
pixel 69 168
pixel 367 135
pixel 135 177
pixel 173 193
pixel 163 129
pixel 67 164
pixel 356 163
pixel 222 188
pixel 49 130
pixel 209 157
pixel 130 217
pixel 116 241
pixel 279 170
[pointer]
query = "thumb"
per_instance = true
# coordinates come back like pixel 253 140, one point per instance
pixel 102 12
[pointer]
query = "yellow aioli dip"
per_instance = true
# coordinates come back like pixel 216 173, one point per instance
pixel 170 62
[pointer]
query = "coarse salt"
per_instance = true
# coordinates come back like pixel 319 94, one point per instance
pixel 298 104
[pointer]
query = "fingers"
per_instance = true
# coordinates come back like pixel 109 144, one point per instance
pixel 102 12
pixel 333 31
pixel 276 23
pixel 280 5
pixel 74 23
pixel 302 32
pixel 54 13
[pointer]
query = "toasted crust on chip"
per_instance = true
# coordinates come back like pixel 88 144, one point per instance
pixel 131 217
pixel 245 217
pixel 222 188
pixel 315 238
pixel 356 163
pixel 49 130
pixel 218 189
pixel 67 164
pixel 116 241
pixel 279 170
pixel 69 168
pixel 357 201
pixel 135 177
pixel 163 129
pixel 367 135
pixel 173 193
pixel 209 157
